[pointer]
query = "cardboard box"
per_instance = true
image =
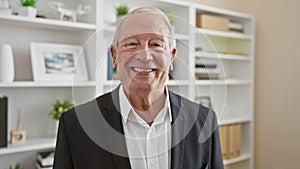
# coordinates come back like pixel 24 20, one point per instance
pixel 206 21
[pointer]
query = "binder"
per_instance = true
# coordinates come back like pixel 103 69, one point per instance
pixel 224 141
pixel 3 121
pixel 235 140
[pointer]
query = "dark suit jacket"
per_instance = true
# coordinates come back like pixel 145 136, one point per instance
pixel 89 136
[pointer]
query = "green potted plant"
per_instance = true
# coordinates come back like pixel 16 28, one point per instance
pixel 172 21
pixel 18 166
pixel 59 107
pixel 28 8
pixel 122 10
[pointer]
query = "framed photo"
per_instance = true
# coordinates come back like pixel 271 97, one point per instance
pixel 58 62
pixel 204 100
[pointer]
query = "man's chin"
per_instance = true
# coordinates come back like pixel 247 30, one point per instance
pixel 145 86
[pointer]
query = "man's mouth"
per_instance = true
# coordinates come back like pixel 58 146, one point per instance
pixel 142 70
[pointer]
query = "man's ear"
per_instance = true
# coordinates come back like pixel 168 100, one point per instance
pixel 113 55
pixel 173 54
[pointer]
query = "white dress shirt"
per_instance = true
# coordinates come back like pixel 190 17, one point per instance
pixel 148 146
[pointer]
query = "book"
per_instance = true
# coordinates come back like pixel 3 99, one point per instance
pixel 223 130
pixel 235 132
pixel 110 70
pixel 231 140
pixel 3 121
pixel 46 159
pixel 206 76
pixel 234 26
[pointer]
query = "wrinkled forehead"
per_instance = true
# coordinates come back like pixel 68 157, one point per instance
pixel 143 23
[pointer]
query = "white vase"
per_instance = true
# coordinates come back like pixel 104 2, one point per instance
pixel 7 70
pixel 27 11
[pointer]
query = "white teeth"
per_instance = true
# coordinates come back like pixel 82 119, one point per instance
pixel 141 70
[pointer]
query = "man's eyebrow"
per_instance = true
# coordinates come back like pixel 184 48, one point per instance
pixel 159 37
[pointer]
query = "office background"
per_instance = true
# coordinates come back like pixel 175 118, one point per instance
pixel 277 81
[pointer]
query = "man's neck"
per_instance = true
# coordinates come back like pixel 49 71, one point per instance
pixel 147 104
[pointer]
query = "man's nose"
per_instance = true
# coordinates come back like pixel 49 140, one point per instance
pixel 144 54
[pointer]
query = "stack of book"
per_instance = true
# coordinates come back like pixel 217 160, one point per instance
pixel 236 27
pixel 5 8
pixel 205 70
pixel 230 136
pixel 45 160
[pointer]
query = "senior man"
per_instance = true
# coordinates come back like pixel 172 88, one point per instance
pixel 140 124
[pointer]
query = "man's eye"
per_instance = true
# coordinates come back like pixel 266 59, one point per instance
pixel 157 45
pixel 130 45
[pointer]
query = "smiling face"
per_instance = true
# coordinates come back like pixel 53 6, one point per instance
pixel 143 56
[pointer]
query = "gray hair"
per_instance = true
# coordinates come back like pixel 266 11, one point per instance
pixel 171 37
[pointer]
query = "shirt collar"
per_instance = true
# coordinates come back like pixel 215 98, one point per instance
pixel 126 108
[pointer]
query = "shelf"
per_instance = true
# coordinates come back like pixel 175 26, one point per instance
pixel 169 83
pixel 234 120
pixel 177 83
pixel 179 36
pixel 222 82
pixel 30 145
pixel 224 34
pixel 21 21
pixel 221 11
pixel 46 84
pixel 210 55
pixel 238 159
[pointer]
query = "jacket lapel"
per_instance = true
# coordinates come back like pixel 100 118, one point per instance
pixel 177 151
pixel 113 117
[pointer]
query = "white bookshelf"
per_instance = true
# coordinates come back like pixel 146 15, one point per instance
pixel 224 34
pixel 241 158
pixel 41 23
pixel 210 55
pixel 232 94
pixel 33 98
pixel 30 84
pixel 30 145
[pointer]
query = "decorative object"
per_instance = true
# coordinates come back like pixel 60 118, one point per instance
pixel 5 7
pixel 28 8
pixel 69 14
pixel 122 10
pixel 59 107
pixel 7 71
pixel 58 62
pixel 18 166
pixel 3 121
pixel 45 159
pixel 18 136
pixel 172 21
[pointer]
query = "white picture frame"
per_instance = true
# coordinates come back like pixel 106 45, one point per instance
pixel 57 62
